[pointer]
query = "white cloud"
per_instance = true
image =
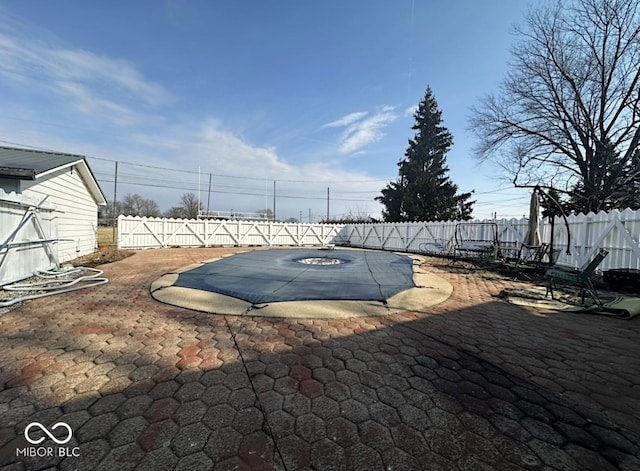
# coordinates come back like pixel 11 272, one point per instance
pixel 242 173
pixel 361 129
pixel 346 120
pixel 230 152
pixel 76 84
pixel 87 67
pixel 92 84
pixel 409 112
pixel 83 100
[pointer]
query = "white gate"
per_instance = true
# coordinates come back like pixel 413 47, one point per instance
pixel 27 232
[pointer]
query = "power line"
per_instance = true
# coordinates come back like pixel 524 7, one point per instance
pixel 240 193
pixel 147 178
pixel 140 180
pixel 245 177
pixel 242 177
pixel 501 203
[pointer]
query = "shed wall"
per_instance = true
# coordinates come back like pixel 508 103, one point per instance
pixel 76 215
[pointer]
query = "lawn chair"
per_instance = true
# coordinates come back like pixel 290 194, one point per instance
pixel 581 277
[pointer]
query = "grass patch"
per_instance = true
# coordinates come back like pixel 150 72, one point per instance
pixel 106 235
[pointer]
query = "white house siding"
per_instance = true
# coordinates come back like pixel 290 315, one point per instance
pixel 77 212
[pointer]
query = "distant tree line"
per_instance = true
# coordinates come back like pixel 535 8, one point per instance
pixel 137 205
pixel 188 208
pixel 352 217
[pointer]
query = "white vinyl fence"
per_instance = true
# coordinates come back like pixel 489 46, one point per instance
pixel 139 232
pixel 616 231
pixel 27 234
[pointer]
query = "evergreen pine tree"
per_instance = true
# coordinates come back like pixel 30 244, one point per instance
pixel 423 191
pixel 617 183
pixel 627 194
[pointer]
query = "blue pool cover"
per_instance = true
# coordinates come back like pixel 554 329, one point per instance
pixel 264 276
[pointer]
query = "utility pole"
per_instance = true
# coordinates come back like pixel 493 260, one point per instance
pixel 274 201
pixel 327 204
pixel 208 196
pixel 115 200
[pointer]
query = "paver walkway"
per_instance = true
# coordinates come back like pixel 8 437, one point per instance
pixel 474 384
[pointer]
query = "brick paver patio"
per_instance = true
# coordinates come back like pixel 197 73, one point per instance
pixel 473 384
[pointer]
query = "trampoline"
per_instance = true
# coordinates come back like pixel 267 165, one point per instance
pixel 300 283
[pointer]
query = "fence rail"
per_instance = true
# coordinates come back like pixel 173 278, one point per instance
pixel 137 233
pixel 616 231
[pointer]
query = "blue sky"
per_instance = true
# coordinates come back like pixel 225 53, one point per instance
pixel 313 95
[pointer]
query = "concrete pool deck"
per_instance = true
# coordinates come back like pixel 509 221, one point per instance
pixel 471 383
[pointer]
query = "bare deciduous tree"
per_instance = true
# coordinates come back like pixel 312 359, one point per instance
pixel 136 205
pixel 568 112
pixel 266 214
pixel 190 204
pixel 189 207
